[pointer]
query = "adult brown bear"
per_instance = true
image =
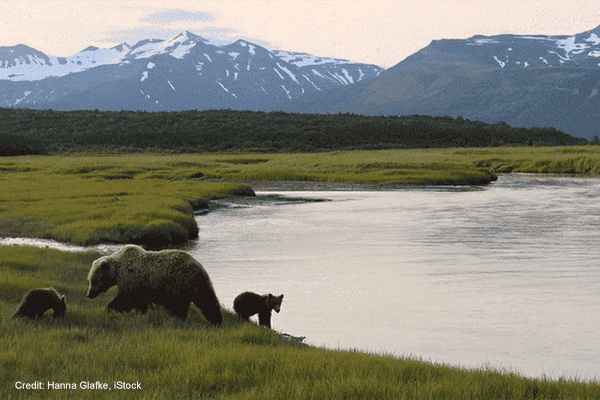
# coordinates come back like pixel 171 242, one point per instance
pixel 170 278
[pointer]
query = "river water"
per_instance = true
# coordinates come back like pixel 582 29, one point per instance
pixel 503 276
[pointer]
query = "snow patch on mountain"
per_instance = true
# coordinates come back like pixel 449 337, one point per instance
pixel 304 60
pixel 287 71
pixel 594 39
pixel 510 51
pixel 32 67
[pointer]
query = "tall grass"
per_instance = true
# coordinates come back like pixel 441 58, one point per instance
pixel 89 200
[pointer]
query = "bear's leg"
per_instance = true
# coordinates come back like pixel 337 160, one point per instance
pixel 211 311
pixel 264 319
pixel 142 307
pixel 178 308
pixel 244 317
pixel 121 303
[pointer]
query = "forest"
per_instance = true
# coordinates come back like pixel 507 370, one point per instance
pixel 24 131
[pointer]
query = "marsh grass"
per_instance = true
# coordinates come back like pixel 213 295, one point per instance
pixel 90 200
pixel 581 160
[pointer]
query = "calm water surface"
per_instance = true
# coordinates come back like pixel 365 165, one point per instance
pixel 505 276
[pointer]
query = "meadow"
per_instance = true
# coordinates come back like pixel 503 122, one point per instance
pixel 172 359
pixel 151 199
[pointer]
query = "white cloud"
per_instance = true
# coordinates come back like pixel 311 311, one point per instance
pixel 170 16
pixel 134 35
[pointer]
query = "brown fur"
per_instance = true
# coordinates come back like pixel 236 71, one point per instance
pixel 248 304
pixel 37 301
pixel 170 278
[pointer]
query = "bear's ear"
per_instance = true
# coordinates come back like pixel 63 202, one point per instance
pixel 281 297
pixel 63 299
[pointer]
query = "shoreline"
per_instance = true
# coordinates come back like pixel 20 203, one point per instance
pixel 247 198
pixel 320 186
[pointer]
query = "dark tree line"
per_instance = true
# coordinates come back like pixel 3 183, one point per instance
pixel 24 131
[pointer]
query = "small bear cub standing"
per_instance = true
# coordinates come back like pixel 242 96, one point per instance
pixel 37 301
pixel 248 304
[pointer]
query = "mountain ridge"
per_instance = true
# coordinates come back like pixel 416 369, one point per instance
pixel 519 79
pixel 185 72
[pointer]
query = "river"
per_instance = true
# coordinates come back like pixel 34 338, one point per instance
pixel 503 276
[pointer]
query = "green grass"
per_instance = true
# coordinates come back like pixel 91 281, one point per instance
pixel 172 359
pixel 582 160
pixel 89 200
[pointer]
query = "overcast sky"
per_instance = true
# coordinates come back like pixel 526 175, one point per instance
pixel 379 32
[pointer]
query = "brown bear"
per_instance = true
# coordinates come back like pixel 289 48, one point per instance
pixel 37 301
pixel 248 304
pixel 170 278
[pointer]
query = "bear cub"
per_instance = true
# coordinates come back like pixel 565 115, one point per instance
pixel 37 301
pixel 248 304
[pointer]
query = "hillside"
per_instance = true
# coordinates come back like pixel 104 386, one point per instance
pixel 25 131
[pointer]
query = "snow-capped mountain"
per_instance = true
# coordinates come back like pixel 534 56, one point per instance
pixel 186 72
pixel 529 51
pixel 524 80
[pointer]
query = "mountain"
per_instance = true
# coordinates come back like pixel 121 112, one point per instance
pixel 186 72
pixel 522 80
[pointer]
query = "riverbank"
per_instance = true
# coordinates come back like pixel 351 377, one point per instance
pixel 151 198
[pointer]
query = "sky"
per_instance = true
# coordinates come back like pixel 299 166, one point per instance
pixel 379 32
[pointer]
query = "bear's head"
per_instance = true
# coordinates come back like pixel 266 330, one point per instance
pixel 101 277
pixel 275 302
pixel 61 307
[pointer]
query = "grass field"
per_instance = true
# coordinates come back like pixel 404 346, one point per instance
pixel 171 359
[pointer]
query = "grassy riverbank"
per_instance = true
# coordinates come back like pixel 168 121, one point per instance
pixel 150 198
pixel 176 360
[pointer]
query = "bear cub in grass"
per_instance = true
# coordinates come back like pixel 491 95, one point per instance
pixel 248 304
pixel 170 278
pixel 37 301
